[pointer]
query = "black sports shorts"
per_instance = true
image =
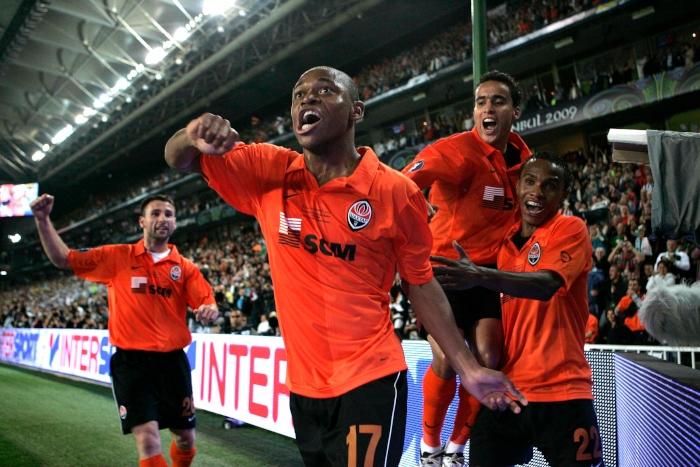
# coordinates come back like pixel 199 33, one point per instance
pixel 566 433
pixel 471 305
pixel 153 386
pixel 364 426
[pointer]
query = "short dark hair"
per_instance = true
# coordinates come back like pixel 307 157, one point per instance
pixel 505 78
pixel 347 81
pixel 150 199
pixel 555 160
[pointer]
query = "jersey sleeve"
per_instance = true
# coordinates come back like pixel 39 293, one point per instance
pixel 433 164
pixel 239 175
pixel 97 264
pixel 414 241
pixel 197 290
pixel 568 251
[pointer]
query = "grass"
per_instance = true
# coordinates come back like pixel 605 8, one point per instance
pixel 46 420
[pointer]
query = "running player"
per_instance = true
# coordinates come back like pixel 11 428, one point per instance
pixel 543 266
pixel 471 176
pixel 149 288
pixel 338 225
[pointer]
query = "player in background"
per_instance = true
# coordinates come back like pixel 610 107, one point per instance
pixel 543 267
pixel 338 224
pixel 149 289
pixel 471 176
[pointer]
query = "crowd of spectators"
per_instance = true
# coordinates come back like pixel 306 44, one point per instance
pixel 615 200
pixel 628 259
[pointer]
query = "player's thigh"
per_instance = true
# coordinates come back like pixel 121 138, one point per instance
pixel 486 340
pixel 500 439
pixel 310 418
pixel 370 423
pixel 567 433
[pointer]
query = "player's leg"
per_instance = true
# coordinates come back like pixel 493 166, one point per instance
pixel 135 396
pixel 176 408
pixel 367 424
pixel 148 445
pixel 439 387
pixel 486 341
pixel 182 450
pixel 567 433
pixel 307 416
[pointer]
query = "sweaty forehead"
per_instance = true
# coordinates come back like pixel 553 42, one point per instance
pixel 543 168
pixel 328 75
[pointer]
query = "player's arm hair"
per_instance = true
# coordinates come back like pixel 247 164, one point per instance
pixel 181 154
pixel 53 245
pixel 434 313
pixel 540 285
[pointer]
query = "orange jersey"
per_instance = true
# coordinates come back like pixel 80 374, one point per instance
pixel 333 251
pixel 147 301
pixel 473 190
pixel 544 340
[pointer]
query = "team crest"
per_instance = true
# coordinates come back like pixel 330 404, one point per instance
pixel 533 256
pixel 417 166
pixel 175 273
pixel 122 412
pixel 359 215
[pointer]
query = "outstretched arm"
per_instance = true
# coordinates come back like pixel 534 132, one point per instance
pixel 491 388
pixel 206 134
pixel 53 245
pixel 463 274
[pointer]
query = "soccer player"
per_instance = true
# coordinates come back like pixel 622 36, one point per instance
pixel 338 225
pixel 471 176
pixel 149 288
pixel 543 266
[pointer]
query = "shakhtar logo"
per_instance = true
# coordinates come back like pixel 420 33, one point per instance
pixel 175 273
pixel 417 166
pixel 533 256
pixel 359 214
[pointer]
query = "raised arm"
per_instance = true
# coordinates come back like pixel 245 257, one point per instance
pixel 53 245
pixel 491 388
pixel 463 274
pixel 206 134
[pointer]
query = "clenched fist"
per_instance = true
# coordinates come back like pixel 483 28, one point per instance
pixel 42 206
pixel 212 134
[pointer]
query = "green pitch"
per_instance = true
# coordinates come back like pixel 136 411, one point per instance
pixel 51 421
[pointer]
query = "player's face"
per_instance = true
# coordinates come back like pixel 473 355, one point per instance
pixel 494 113
pixel 540 191
pixel 322 108
pixel 158 221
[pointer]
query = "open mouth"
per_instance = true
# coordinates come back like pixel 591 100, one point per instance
pixel 308 119
pixel 534 208
pixel 489 124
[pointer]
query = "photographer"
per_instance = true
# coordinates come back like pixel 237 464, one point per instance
pixel 679 262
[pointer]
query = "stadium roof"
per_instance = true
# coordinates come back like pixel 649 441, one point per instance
pixel 84 84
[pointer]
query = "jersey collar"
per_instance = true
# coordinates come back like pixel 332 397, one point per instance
pixel 360 180
pixel 140 249
pixel 513 138
pixel 540 234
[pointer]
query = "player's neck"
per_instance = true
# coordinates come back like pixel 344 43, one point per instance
pixel 526 230
pixel 155 246
pixel 332 161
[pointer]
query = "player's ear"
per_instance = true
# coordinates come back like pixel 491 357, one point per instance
pixel 141 219
pixel 358 111
pixel 516 113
